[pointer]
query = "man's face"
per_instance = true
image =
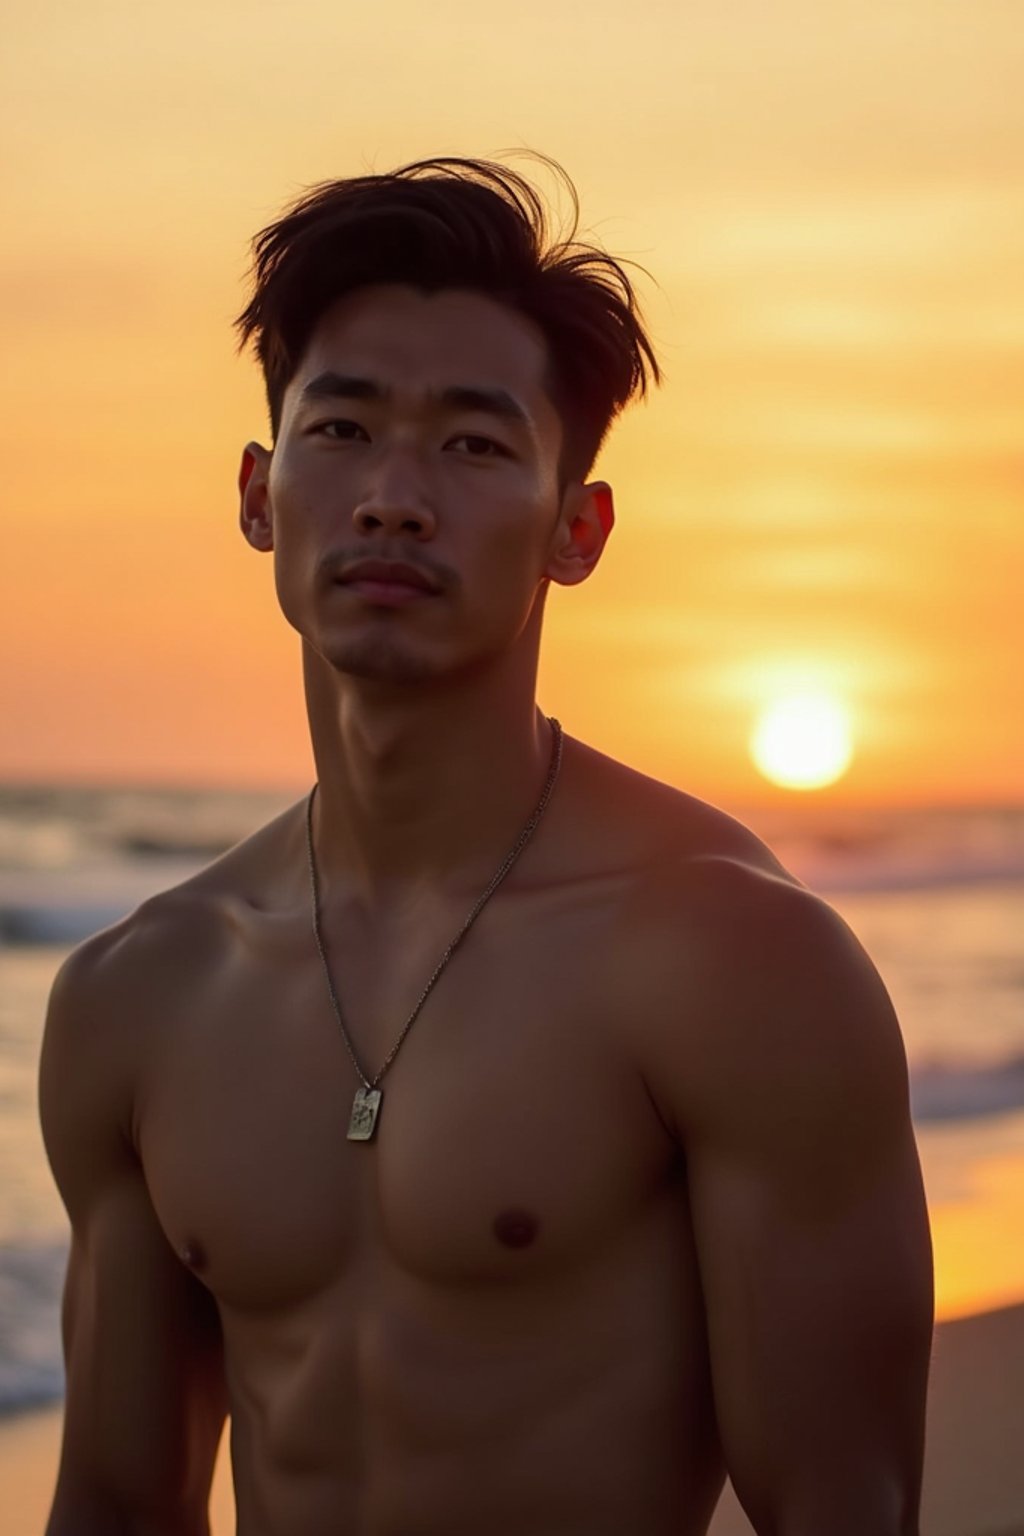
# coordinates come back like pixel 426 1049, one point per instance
pixel 417 428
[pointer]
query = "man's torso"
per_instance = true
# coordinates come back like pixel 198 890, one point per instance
pixel 489 1318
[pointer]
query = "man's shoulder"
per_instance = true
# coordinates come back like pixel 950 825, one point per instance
pixel 678 839
pixel 757 987
pixel 736 927
pixel 738 956
pixel 169 940
pixel 113 984
pixel 710 912
pixel 105 1006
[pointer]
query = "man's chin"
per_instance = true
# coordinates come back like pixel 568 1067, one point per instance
pixel 381 660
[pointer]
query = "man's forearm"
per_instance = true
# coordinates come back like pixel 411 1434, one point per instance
pixel 871 1508
pixel 86 1513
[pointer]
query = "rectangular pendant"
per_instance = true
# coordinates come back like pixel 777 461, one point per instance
pixel 365 1108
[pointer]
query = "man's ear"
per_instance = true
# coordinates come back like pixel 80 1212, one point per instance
pixel 255 517
pixel 584 525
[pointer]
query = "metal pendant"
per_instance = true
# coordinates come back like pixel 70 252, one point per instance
pixel 365 1109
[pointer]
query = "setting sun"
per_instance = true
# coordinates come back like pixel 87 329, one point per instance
pixel 802 741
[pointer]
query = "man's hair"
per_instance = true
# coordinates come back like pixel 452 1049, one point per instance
pixel 455 223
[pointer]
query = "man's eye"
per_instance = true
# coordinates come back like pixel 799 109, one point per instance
pixel 478 446
pixel 340 430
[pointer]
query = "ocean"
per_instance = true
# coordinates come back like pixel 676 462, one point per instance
pixel 936 896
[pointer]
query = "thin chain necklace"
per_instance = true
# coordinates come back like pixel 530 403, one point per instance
pixel 367 1101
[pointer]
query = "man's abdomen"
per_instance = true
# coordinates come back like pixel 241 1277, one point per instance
pixel 387 1407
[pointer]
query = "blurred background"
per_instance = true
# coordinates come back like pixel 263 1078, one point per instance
pixel 810 609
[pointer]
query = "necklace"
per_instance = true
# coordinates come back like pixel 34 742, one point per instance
pixel 367 1101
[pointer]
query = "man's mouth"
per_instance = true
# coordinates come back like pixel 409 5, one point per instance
pixel 387 582
pixel 376 577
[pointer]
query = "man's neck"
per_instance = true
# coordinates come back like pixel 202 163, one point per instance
pixel 419 789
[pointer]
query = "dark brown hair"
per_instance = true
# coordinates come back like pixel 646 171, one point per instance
pixel 455 223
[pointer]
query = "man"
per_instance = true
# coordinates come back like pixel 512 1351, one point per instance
pixel 501 1137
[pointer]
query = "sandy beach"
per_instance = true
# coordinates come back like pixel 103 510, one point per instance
pixel 974 1473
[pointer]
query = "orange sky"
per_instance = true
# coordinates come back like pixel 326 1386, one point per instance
pixel 828 486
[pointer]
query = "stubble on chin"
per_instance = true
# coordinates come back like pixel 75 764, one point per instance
pixel 379 659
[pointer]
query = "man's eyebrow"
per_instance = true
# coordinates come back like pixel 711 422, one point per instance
pixel 459 397
pixel 342 386
pixel 492 402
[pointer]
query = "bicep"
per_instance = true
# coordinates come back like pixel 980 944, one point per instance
pixel 144 1403
pixel 145 1399
pixel 810 1224
pixel 819 1328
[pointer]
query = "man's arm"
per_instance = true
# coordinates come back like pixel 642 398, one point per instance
pixel 145 1402
pixel 808 1210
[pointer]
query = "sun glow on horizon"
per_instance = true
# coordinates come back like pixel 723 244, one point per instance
pixel 803 740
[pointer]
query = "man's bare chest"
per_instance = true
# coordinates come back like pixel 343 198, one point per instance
pixel 515 1136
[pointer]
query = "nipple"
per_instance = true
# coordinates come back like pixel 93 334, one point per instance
pixel 516 1228
pixel 193 1254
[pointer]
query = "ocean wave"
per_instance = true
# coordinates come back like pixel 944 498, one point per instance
pixel 45 926
pixel 31 1282
pixel 951 1090
pixel 894 874
pixel 45 907
pixel 889 849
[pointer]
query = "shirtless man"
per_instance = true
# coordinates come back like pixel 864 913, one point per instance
pixel 641 1203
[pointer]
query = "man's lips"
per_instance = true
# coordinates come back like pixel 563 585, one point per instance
pixel 387 575
pixel 387 583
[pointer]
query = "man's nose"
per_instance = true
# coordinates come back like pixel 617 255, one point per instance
pixel 396 500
